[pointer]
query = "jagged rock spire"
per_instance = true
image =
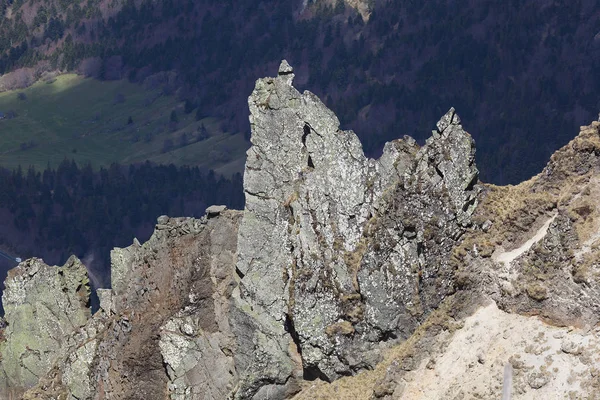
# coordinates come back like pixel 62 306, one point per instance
pixel 312 249
pixel 285 68
pixel 286 71
pixel 335 253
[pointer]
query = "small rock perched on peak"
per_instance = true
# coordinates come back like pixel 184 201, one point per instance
pixel 286 72
pixel 285 68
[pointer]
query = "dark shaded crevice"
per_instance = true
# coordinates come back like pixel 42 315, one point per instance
pixel 437 170
pixel 313 373
pixel 239 273
pixel 469 203
pixel 387 335
pixel 420 249
pixel 306 133
pixel 260 195
pixel 165 368
pixel 289 328
pixel 309 373
pixel 473 182
pixel 409 232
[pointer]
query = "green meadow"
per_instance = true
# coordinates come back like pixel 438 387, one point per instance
pixel 89 121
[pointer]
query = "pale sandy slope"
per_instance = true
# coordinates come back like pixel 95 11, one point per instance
pixel 549 362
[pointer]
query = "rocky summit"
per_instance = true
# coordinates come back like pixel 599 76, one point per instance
pixel 337 252
pixel 344 277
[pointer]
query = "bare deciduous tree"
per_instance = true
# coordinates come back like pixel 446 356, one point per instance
pixel 19 79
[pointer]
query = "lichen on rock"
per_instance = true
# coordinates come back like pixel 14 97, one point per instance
pixel 44 307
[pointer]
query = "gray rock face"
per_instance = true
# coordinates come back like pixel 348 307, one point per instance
pixel 336 251
pixel 213 211
pixel 197 343
pixel 335 257
pixel 169 298
pixel 44 307
pixel 168 305
pixel 334 254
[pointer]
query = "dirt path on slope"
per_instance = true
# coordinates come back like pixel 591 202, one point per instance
pixel 507 257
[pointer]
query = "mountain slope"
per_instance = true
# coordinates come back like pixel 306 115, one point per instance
pixel 537 311
pixel 522 72
pixel 343 277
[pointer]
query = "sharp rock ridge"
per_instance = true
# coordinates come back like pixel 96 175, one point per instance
pixel 335 257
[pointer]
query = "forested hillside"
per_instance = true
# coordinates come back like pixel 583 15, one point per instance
pixel 521 73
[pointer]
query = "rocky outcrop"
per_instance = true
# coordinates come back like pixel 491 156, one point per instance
pixel 336 256
pixel 197 343
pixel 45 307
pixel 167 295
pixel 399 277
pixel 528 275
pixel 548 227
pixel 173 273
pixel 338 252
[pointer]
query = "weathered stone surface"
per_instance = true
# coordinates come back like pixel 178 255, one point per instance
pixel 168 290
pixel 335 257
pixel 534 349
pixel 534 251
pixel 197 344
pixel 44 307
pixel 338 256
pixel 550 226
pixel 341 250
pixel 213 211
pixel 539 254
pixel 105 298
